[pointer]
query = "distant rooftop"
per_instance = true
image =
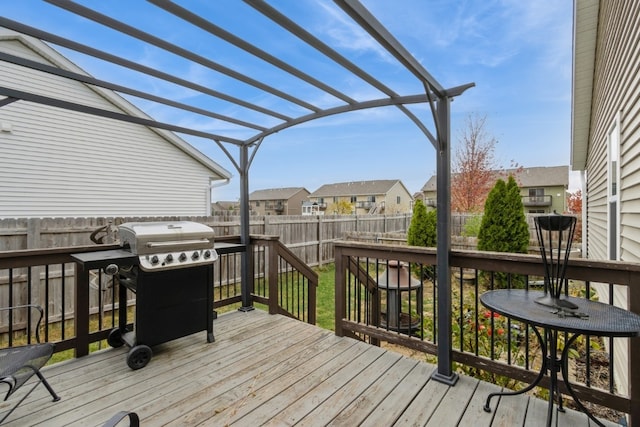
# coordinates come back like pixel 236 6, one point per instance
pixel 541 176
pixel 355 188
pixel 276 193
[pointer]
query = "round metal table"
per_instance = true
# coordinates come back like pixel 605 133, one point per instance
pixel 590 318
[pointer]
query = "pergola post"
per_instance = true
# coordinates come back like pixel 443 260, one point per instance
pixel 444 373
pixel 245 237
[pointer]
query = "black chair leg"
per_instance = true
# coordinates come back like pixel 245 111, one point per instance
pixel 46 384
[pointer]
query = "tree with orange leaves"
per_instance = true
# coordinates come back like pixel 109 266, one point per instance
pixel 472 171
pixel 574 202
pixel 574 206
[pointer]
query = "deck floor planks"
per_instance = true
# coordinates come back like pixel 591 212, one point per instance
pixel 221 376
pixel 400 397
pixel 423 405
pixel 270 370
pixel 374 396
pixel 328 399
pixel 474 413
pixel 276 397
pixel 254 384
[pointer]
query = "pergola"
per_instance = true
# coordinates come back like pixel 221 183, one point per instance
pixel 261 121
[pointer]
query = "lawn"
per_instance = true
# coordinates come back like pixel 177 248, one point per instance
pixel 325 297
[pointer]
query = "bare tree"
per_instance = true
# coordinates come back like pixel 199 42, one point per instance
pixel 473 166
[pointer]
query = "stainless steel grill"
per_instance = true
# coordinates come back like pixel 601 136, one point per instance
pixel 168 245
pixel 169 266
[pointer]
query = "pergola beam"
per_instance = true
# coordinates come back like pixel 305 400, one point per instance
pixel 371 25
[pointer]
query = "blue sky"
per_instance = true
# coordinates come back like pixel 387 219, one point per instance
pixel 518 54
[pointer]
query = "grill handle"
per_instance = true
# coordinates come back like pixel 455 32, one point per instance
pixel 176 243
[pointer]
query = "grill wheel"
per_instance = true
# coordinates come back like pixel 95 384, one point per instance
pixel 139 356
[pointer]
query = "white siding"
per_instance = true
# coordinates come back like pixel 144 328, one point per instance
pixel 616 91
pixel 56 162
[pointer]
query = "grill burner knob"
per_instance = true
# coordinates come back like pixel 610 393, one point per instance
pixel 111 269
pixel 207 254
pixel 154 259
pixel 183 257
pixel 168 258
pixel 195 256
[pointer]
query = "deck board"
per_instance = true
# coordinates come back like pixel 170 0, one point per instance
pixel 269 370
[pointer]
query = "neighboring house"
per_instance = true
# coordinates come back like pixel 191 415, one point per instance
pixel 225 208
pixel 543 189
pixel 59 163
pixel 311 208
pixel 605 144
pixel 365 197
pixel 278 201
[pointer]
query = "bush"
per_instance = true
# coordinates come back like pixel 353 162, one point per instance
pixel 504 227
pixel 472 226
pixel 422 230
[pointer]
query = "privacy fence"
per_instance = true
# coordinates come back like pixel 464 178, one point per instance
pixel 309 237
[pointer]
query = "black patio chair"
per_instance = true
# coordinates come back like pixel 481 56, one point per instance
pixel 18 364
pixel 134 420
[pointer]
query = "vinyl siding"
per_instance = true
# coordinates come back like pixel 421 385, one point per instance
pixel 56 162
pixel 616 91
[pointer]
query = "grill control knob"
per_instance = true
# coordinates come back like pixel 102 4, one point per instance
pixel 168 258
pixel 195 256
pixel 154 259
pixel 111 269
pixel 183 257
pixel 207 254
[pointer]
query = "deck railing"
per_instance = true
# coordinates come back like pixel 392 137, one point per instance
pixel 79 318
pixel 486 344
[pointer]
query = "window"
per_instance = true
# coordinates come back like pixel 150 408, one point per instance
pixel 397 200
pixel 613 174
pixel 371 199
pixel 536 195
pixel 354 199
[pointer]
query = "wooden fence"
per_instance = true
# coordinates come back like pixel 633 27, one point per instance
pixel 309 237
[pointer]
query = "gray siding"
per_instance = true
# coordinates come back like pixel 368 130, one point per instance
pixel 616 94
pixel 55 162
pixel 616 90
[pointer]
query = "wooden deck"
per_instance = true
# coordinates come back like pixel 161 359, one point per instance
pixel 269 370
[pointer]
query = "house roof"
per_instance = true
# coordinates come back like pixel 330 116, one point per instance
pixel 585 30
pixel 60 61
pixel 540 176
pixel 225 205
pixel 276 193
pixel 356 188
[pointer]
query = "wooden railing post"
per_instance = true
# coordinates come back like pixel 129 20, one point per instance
pixel 341 309
pixel 272 276
pixel 81 318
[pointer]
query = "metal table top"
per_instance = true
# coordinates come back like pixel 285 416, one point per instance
pixel 600 320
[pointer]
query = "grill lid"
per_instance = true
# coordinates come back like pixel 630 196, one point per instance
pixel 155 237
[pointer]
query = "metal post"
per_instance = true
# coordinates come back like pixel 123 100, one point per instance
pixel 245 237
pixel 444 373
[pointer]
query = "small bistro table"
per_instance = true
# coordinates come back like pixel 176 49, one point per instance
pixel 590 318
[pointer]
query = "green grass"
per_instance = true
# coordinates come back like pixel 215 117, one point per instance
pixel 325 297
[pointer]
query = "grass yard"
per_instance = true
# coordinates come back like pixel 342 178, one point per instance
pixel 325 297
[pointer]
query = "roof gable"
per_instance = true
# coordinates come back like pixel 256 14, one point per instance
pixel 352 188
pixel 540 176
pixel 277 193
